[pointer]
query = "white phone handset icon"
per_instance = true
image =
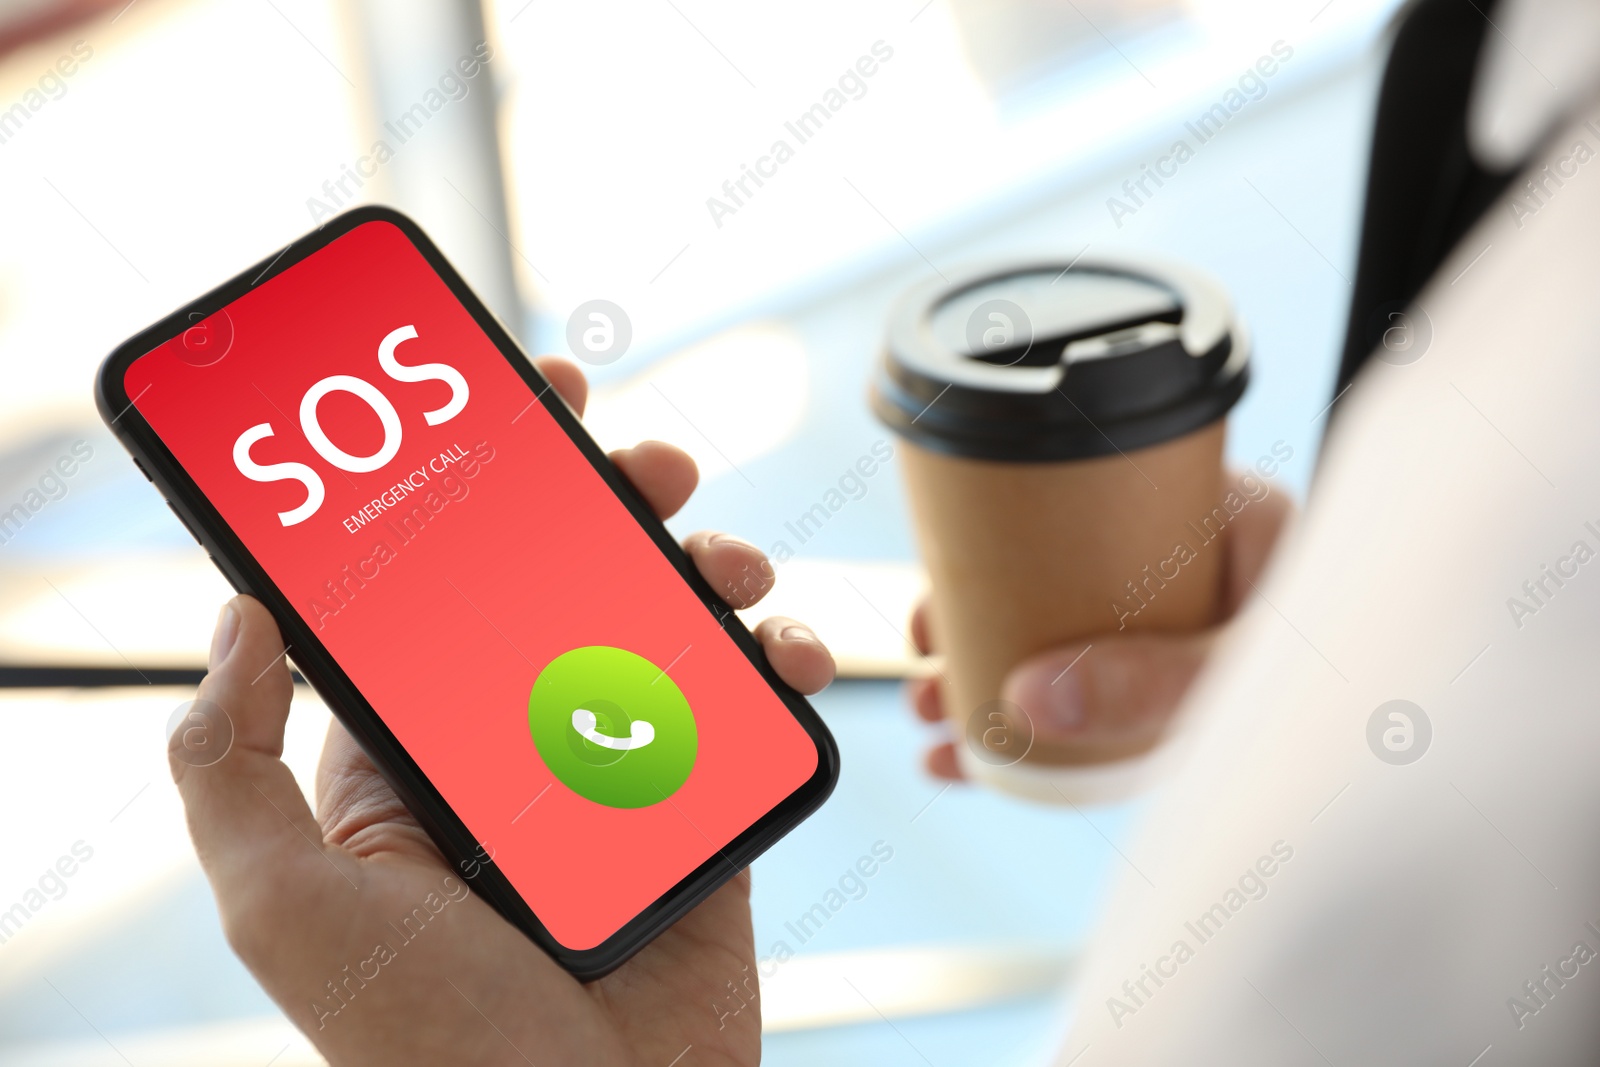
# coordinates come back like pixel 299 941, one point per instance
pixel 640 735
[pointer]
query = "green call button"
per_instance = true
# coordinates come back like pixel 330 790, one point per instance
pixel 612 726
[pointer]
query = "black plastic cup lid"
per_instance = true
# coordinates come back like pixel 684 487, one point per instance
pixel 1042 361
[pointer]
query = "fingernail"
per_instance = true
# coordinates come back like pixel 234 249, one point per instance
pixel 1061 703
pixel 226 634
pixel 729 539
pixel 798 633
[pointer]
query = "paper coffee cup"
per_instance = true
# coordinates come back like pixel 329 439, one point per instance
pixel 1062 429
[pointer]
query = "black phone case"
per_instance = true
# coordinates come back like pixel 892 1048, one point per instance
pixel 473 860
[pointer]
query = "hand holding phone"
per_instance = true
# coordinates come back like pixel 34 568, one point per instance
pixel 589 740
pixel 458 570
pixel 306 900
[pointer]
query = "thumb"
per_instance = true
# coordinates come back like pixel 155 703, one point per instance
pixel 1105 699
pixel 246 813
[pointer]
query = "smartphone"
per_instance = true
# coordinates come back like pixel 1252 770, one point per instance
pixel 590 735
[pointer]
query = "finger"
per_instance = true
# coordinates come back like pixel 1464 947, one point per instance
pixel 796 653
pixel 921 637
pixel 926 699
pixel 736 569
pixel 664 474
pixel 567 379
pixel 246 812
pixel 1108 699
pixel 941 762
pixel 1252 538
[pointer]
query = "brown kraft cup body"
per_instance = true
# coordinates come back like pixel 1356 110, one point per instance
pixel 1039 523
pixel 1023 558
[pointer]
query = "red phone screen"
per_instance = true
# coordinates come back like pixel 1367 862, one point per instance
pixel 543 663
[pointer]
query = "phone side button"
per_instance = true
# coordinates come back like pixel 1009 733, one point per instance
pixel 185 522
pixel 142 471
pixel 238 584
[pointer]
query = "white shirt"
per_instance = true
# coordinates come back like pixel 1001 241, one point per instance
pixel 1406 905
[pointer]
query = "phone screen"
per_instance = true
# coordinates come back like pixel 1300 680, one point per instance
pixel 546 666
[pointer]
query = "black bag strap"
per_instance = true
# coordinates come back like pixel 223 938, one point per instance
pixel 1424 189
